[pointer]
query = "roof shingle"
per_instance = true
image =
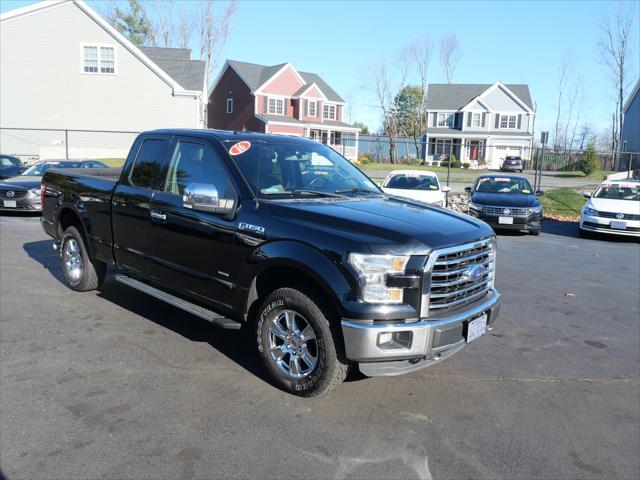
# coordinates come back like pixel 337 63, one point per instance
pixel 453 96
pixel 177 63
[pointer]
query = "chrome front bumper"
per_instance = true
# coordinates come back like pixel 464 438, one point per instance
pixel 431 340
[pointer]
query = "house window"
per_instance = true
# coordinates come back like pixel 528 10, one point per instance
pixel 443 146
pixel 229 105
pixel 476 119
pixel 336 138
pixel 275 106
pixel 445 120
pixel 329 112
pixel 508 121
pixel 98 59
pixel 312 108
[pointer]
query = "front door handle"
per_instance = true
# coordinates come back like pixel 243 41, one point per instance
pixel 158 215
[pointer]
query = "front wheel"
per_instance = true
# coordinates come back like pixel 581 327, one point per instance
pixel 80 272
pixel 299 343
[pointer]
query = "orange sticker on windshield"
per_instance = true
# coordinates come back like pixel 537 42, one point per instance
pixel 239 148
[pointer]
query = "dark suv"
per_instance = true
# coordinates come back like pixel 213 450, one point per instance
pixel 512 164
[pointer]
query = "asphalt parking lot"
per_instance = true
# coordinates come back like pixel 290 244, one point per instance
pixel 116 384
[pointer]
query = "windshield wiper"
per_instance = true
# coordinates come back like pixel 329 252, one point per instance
pixel 320 193
pixel 357 190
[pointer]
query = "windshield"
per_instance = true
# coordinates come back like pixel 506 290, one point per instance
pixel 503 185
pixel 412 181
pixel 297 169
pixel 38 169
pixel 618 191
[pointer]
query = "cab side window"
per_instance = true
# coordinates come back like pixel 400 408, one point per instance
pixel 195 163
pixel 146 169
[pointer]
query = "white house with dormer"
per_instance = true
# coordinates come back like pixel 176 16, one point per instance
pixel 480 124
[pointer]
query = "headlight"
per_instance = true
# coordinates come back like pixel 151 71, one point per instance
pixel 475 206
pixel 590 211
pixel 537 209
pixel 372 272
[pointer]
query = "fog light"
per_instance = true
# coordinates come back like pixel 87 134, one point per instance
pixel 394 340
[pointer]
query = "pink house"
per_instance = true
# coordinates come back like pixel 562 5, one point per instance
pixel 279 99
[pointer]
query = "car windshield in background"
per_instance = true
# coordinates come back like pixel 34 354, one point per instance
pixel 618 191
pixel 411 181
pixel 297 169
pixel 38 169
pixel 503 185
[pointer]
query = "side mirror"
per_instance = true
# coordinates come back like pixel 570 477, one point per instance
pixel 586 194
pixel 468 189
pixel 539 193
pixel 203 197
pixel 446 189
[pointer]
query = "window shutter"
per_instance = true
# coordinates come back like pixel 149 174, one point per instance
pixel 497 121
pixel 434 119
pixel 432 147
pixel 266 105
pixel 519 121
pixel 469 115
pixel 484 117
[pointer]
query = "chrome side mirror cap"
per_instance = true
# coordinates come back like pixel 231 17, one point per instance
pixel 203 197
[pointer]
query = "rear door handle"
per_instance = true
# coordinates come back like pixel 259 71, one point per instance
pixel 158 215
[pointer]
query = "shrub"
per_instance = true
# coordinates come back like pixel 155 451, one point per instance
pixel 435 163
pixel 589 160
pixel 364 159
pixel 444 163
pixel 466 165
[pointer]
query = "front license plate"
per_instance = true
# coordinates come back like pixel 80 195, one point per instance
pixel 505 220
pixel 9 203
pixel 619 225
pixel 476 328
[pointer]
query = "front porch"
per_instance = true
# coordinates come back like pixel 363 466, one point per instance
pixel 343 142
pixel 465 150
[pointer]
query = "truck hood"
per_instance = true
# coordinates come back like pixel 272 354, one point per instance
pixel 504 199
pixel 386 225
pixel 20 183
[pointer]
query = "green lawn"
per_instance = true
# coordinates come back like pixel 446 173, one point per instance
pixel 112 162
pixel 597 175
pixel 562 202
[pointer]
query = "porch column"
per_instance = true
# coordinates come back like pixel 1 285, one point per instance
pixel 462 149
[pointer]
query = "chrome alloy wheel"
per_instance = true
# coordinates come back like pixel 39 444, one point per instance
pixel 293 344
pixel 72 260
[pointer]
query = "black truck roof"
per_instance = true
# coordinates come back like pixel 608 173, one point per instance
pixel 229 135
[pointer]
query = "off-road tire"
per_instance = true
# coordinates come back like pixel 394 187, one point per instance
pixel 93 271
pixel 331 368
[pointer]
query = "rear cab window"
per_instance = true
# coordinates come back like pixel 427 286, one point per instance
pixel 149 162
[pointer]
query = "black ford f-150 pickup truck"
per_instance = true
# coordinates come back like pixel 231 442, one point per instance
pixel 283 236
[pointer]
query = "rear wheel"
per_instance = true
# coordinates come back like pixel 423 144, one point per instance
pixel 80 272
pixel 299 343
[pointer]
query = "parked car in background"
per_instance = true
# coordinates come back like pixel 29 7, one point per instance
pixel 285 237
pixel 420 185
pixel 22 192
pixel 614 207
pixel 512 164
pixel 10 166
pixel 506 201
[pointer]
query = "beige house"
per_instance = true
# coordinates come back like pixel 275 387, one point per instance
pixel 62 66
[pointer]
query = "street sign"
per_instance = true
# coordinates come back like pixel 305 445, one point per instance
pixel 544 138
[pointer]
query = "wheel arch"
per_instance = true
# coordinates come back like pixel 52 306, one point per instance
pixel 67 217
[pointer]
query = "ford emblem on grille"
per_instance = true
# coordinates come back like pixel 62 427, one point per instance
pixel 474 273
pixel 10 194
pixel 506 211
pixel 620 216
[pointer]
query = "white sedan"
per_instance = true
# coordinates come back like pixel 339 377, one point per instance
pixel 614 207
pixel 420 185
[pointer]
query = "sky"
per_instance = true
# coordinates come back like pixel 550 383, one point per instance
pixel 509 41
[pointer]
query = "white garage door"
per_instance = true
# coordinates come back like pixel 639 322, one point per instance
pixel 507 151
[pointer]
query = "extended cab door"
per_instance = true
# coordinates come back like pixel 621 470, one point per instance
pixel 131 202
pixel 192 250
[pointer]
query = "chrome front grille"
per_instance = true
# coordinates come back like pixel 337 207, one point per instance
pixel 15 194
pixel 624 216
pixel 458 276
pixel 508 211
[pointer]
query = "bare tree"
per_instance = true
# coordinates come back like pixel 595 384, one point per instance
pixel 214 30
pixel 420 52
pixel 184 30
pixel 562 85
pixel 450 54
pixel 163 22
pixel 108 10
pixel 615 48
